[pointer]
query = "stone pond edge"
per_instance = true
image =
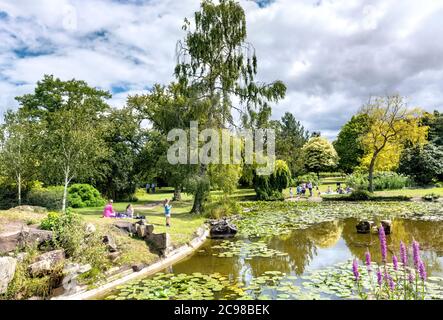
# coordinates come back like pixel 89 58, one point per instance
pixel 173 257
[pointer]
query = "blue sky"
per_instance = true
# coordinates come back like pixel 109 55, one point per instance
pixel 332 54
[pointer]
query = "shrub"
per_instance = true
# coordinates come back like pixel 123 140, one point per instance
pixel 8 196
pixel 382 181
pixel 270 187
pixel 306 178
pixel 70 234
pixel 83 196
pixel 431 197
pixel 50 197
pixel 223 207
pixel 360 195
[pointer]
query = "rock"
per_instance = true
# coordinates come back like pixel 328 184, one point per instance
pixel 125 226
pixel 159 241
pixel 364 226
pixel 387 224
pixel 21 256
pixel 110 243
pixel 90 228
pixel 46 263
pixel 144 230
pixel 17 239
pixel 222 229
pixel 7 271
pixel 113 256
pixel 35 209
pixel 137 267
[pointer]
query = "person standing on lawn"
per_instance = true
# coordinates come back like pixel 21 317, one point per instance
pixel 167 207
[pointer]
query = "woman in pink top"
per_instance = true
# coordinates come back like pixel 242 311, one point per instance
pixel 109 211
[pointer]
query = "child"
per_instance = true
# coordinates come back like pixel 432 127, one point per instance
pixel 109 212
pixel 129 211
pixel 167 212
pixel 291 194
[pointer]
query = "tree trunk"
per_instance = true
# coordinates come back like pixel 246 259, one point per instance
pixel 19 189
pixel 65 191
pixel 177 194
pixel 371 172
pixel 198 204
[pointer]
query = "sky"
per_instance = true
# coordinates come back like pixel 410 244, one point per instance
pixel 333 55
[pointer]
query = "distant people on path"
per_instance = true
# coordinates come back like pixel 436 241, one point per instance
pixel 298 190
pixel 109 212
pixel 167 207
pixel 291 193
pixel 153 187
pixel 148 188
pixel 303 189
pixel 329 190
pixel 309 186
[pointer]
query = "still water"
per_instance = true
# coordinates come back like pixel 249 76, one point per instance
pixel 277 267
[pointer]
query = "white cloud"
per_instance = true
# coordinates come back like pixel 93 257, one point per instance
pixel 331 54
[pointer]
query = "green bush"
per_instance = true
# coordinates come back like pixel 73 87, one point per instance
pixel 223 207
pixel 360 195
pixel 306 178
pixel 431 197
pixel 50 197
pixel 270 187
pixel 83 196
pixel 382 181
pixel 8 197
pixel 69 233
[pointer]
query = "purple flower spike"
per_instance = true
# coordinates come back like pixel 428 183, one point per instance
pixel 391 283
pixel 403 254
pixel 379 277
pixel 395 262
pixel 368 260
pixel 416 253
pixel 355 269
pixel 383 247
pixel 422 270
pixel 411 277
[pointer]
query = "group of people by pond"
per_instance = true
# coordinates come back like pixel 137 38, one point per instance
pixel 303 188
pixel 129 212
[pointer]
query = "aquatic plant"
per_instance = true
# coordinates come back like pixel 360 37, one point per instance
pixel 394 282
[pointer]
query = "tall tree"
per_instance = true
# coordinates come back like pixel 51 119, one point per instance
pixel 290 138
pixel 348 144
pixel 319 155
pixel 435 123
pixel 391 126
pixel 69 114
pixel 16 150
pixel 217 63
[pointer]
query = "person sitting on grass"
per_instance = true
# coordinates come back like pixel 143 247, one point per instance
pixel 129 211
pixel 167 207
pixel 109 212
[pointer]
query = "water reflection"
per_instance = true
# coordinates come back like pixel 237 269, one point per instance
pixel 320 246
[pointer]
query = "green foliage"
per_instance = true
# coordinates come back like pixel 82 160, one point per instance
pixel 270 187
pixel 222 207
pixel 290 138
pixel 382 181
pixel 360 195
pixel 8 196
pixel 69 233
pixel 348 145
pixel 319 155
pixel 435 122
pixel 422 163
pixel 431 197
pixel 312 177
pixel 83 196
pixel 50 197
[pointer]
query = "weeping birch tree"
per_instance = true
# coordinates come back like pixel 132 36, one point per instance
pixel 216 63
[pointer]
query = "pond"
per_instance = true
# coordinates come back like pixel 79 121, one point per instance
pixel 304 259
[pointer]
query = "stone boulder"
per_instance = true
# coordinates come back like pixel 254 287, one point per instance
pixel 222 229
pixel 90 228
pixel 110 243
pixel 17 239
pixel 364 226
pixel 387 225
pixel 34 209
pixel 46 263
pixel 143 230
pixel 7 271
pixel 159 241
pixel 125 226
